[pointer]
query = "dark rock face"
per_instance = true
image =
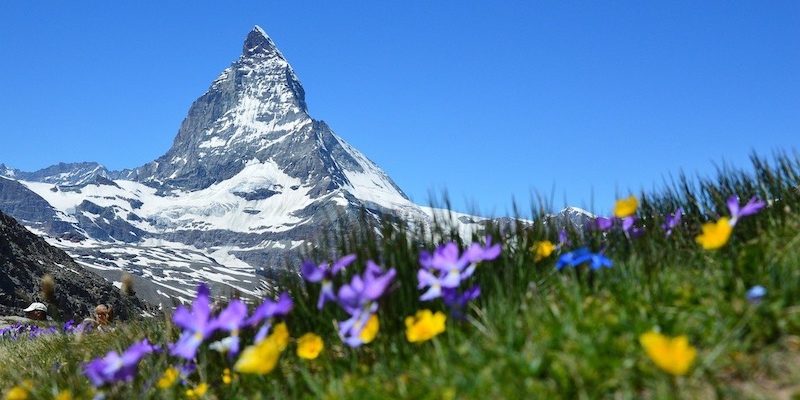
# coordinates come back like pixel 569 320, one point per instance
pixel 25 258
pixel 32 210
pixel 259 194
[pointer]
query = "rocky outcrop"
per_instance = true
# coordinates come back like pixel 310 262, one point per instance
pixel 25 258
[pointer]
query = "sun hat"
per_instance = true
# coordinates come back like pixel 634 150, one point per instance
pixel 36 307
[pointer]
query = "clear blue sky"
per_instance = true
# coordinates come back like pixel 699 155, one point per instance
pixel 486 100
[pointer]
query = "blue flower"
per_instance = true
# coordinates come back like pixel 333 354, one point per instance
pixel 756 294
pixel 581 256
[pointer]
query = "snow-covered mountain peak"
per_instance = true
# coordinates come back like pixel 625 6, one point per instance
pixel 259 44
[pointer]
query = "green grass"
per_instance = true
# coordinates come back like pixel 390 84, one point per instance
pixel 534 332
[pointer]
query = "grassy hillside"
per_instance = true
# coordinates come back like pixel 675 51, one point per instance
pixel 534 332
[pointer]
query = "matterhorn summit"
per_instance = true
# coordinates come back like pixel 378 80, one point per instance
pixel 250 177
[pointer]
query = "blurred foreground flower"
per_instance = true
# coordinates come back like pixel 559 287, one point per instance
pixel 267 311
pixel 198 391
pixel 195 323
pixel 115 367
pixel 17 393
pixel 325 274
pixel 309 346
pixel 261 358
pixel 443 272
pixel 359 299
pixel 756 294
pixel 582 256
pixel 625 207
pixel 715 234
pixel 542 250
pixel 64 395
pixel 673 355
pixel 229 320
pixel 424 325
pixel 168 378
pixel 672 221
pixel 753 206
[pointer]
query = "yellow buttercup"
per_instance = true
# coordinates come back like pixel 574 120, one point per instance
pixel 673 355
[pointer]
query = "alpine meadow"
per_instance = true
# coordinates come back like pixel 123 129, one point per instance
pixel 263 256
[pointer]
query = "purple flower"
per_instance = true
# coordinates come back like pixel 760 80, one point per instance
pixel 628 227
pixel 756 294
pixel 457 302
pixel 359 298
pixel 195 323
pixel 563 239
pixel 115 367
pixel 324 273
pixel 351 328
pixel 753 206
pixel 603 224
pixel 432 282
pixel 229 320
pixel 581 256
pixel 672 221
pixel 476 253
pixel 267 311
pixel 365 289
pixel 446 268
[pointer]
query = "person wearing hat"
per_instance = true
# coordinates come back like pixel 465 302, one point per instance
pixel 36 312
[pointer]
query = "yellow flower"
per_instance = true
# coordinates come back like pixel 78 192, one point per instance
pixel 281 335
pixel 625 207
pixel 424 326
pixel 673 355
pixel 715 235
pixel 261 358
pixel 64 395
pixel 370 330
pixel 198 391
pixel 226 376
pixel 542 250
pixel 169 378
pixel 309 346
pixel 17 393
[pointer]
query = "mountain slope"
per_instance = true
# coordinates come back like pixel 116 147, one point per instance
pixel 25 258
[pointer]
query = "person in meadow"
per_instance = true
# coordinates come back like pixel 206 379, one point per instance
pixel 101 320
pixel 36 312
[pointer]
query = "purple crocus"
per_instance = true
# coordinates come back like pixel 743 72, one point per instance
pixel 672 221
pixel 325 273
pixel 267 311
pixel 115 367
pixel 195 323
pixel 581 256
pixel 753 206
